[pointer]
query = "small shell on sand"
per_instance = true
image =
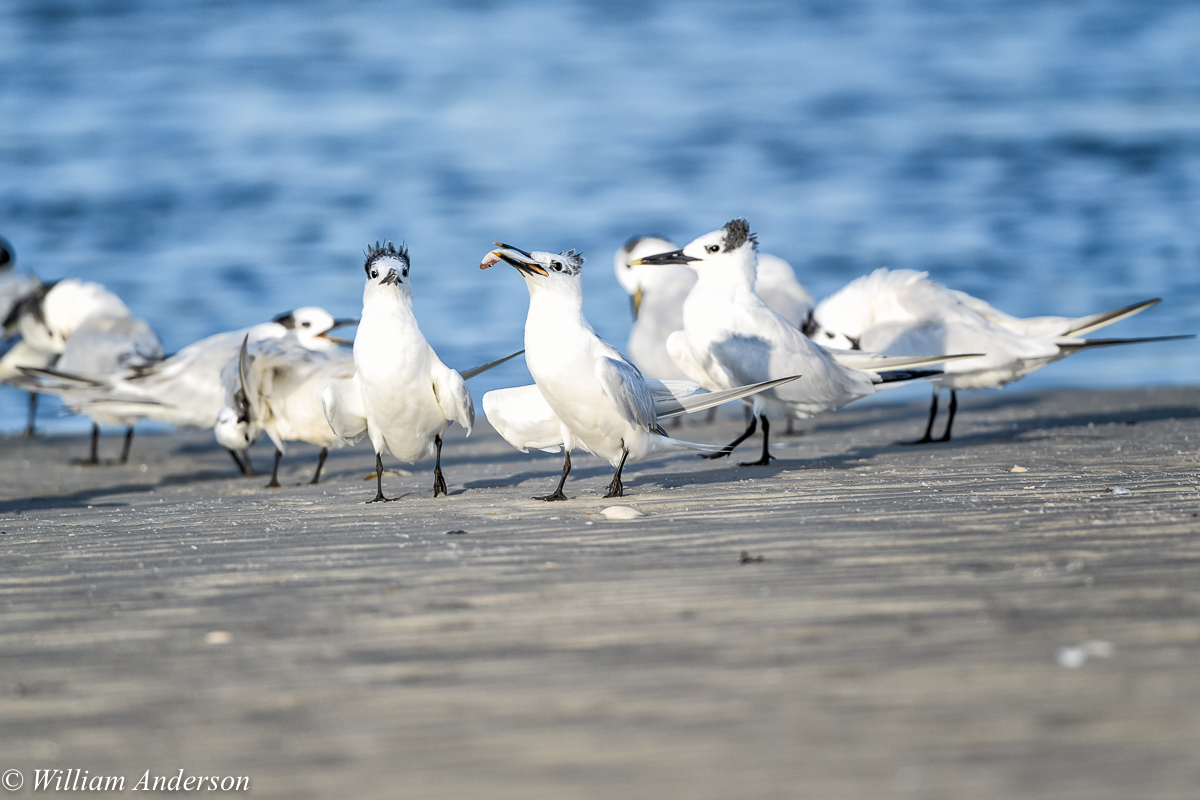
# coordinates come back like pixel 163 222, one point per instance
pixel 1018 469
pixel 621 512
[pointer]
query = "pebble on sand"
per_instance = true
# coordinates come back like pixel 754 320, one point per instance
pixel 621 512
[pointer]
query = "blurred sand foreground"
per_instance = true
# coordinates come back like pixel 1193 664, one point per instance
pixel 926 622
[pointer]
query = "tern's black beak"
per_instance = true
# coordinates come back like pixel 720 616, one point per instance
pixel 514 257
pixel 341 323
pixel 392 277
pixel 674 257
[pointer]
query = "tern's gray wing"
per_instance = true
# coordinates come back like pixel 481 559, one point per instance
pixel 103 345
pixel 627 390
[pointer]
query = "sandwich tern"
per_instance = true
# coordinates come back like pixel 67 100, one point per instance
pixel 94 335
pixel 901 312
pixel 584 387
pixel 401 395
pixel 279 387
pixel 657 294
pixel 731 337
pixel 187 389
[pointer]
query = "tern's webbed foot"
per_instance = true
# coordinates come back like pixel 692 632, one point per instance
pixel 718 454
pixel 926 439
pixel 550 498
pixel 274 484
pixel 87 462
pixel 762 462
pixel 380 499
pixel 615 489
pixel 439 485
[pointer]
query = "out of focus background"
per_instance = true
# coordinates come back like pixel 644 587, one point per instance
pixel 217 163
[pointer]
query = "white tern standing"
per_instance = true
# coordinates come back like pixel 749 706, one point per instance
pixel 600 400
pixel 401 395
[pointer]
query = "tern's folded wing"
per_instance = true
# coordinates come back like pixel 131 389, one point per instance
pixel 522 416
pixel 344 410
pixel 452 394
pixel 627 390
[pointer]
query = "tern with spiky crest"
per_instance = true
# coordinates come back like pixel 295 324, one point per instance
pixel 730 337
pixel 657 294
pixel 401 395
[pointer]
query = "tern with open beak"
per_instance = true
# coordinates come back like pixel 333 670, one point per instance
pixel 588 395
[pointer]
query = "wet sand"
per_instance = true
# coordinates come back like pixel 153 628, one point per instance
pixel 924 622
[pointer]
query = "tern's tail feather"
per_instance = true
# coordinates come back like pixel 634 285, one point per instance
pixel 1072 347
pixel 1084 325
pixel 467 374
pixel 875 362
pixel 892 379
pixel 668 404
pixel 53 378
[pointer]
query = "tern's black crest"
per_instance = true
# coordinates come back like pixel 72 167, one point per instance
pixel 287 320
pixel 571 262
pixel 389 251
pixel 32 304
pixel 6 255
pixel 737 233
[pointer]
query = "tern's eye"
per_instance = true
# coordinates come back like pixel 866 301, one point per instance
pixel 712 248
pixel 374 273
pixel 557 265
pixel 405 273
pixel 305 324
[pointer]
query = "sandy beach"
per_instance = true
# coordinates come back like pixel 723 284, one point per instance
pixel 1015 613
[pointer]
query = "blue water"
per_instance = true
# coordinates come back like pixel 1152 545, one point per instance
pixel 217 163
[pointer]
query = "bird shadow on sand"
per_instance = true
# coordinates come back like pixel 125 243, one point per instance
pixel 550 476
pixel 84 497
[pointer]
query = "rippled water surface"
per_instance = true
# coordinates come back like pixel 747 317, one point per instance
pixel 217 163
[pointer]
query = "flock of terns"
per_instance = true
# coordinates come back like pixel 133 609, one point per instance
pixel 714 322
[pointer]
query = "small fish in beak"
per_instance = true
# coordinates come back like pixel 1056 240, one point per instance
pixel 515 257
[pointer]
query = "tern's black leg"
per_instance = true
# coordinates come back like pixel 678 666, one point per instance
pixel 950 422
pixel 558 493
pixel 710 416
pixel 615 489
pixel 94 459
pixel 249 466
pixel 789 431
pixel 928 437
pixel 766 454
pixel 379 498
pixel 320 463
pixel 274 484
pixel 241 467
pixel 727 449
pixel 439 483
pixel 31 423
pixel 128 443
